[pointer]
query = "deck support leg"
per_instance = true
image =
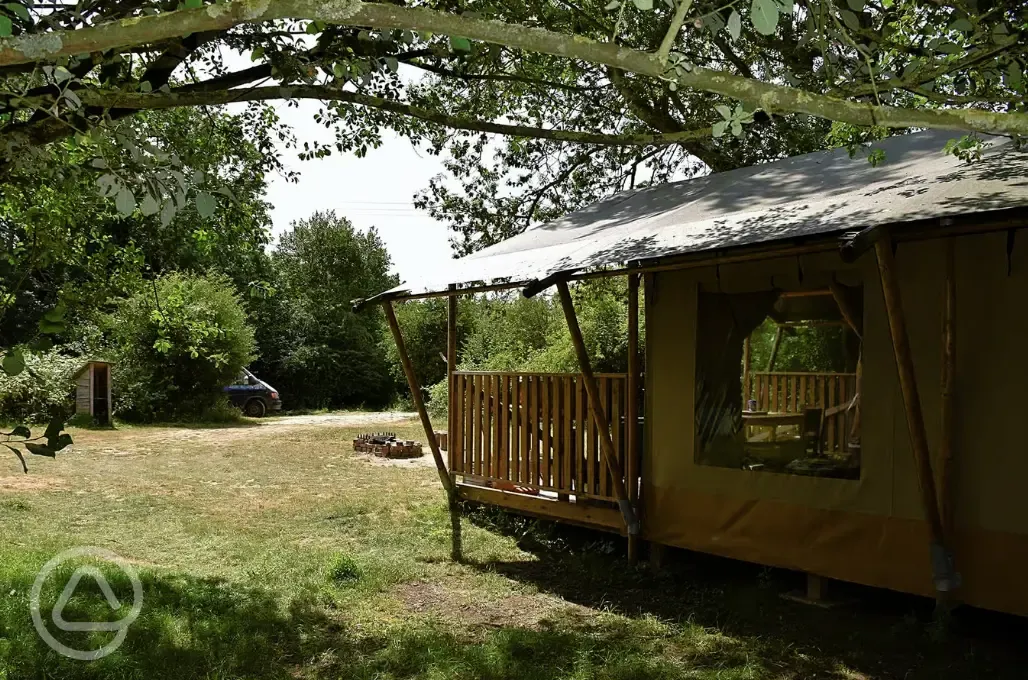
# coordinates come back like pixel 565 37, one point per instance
pixel 632 408
pixel 595 406
pixel 944 575
pixel 426 422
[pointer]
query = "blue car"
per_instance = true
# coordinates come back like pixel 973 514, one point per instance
pixel 254 396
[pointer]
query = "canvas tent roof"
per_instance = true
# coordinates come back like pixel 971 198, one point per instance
pixel 806 196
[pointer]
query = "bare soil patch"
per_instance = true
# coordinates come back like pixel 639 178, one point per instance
pixel 480 609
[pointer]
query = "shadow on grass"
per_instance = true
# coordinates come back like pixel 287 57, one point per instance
pixel 207 628
pixel 874 633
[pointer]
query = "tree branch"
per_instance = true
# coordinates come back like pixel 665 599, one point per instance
pixel 178 98
pixel 222 16
pixel 672 32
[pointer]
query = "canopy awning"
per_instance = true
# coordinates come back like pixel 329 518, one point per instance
pixel 812 196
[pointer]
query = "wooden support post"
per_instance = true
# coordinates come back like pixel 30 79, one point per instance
pixel 774 349
pixel 949 361
pixel 746 389
pixel 426 423
pixel 596 408
pixel 632 407
pixel 944 576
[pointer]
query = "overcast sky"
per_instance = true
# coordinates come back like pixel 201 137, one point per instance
pixel 376 190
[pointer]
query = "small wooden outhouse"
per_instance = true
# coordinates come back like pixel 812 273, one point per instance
pixel 93 391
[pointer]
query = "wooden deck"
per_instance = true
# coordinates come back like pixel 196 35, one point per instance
pixel 528 441
pixel 792 392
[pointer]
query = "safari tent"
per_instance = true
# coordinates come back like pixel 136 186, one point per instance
pixel 899 461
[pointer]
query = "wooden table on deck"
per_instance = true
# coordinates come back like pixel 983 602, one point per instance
pixel 772 421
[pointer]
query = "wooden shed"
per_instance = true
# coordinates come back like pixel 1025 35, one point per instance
pixel 894 459
pixel 93 391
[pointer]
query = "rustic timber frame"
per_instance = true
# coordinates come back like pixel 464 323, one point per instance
pixel 515 402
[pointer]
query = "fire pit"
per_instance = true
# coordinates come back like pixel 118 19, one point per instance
pixel 386 445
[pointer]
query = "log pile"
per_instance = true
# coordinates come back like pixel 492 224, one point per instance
pixel 386 445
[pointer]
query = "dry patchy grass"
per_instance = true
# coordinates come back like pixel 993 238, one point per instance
pixel 272 550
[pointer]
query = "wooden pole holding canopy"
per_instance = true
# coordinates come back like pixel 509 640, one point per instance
pixel 949 360
pixel 426 422
pixel 596 408
pixel 944 575
pixel 632 407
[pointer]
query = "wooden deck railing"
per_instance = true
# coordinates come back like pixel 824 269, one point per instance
pixel 533 432
pixel 787 392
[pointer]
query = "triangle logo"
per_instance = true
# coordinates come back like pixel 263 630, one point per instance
pixel 69 590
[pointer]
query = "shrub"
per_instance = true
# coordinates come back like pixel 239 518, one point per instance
pixel 177 345
pixel 41 391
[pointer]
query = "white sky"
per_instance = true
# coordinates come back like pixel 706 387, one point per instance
pixel 377 190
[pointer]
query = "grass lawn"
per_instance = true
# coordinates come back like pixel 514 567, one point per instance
pixel 275 551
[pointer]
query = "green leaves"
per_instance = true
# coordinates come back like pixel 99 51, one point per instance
pixel 733 119
pixel 851 20
pixel 14 363
pixel 459 44
pixel 125 202
pixel 18 10
pixel 206 204
pixel 193 4
pixel 6 27
pixel 856 5
pixel 644 5
pixel 734 25
pixel 764 15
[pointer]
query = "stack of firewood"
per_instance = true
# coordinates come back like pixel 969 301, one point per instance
pixel 386 445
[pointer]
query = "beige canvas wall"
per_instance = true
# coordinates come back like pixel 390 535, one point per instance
pixel 866 530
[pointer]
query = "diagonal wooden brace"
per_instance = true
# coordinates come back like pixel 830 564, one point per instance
pixel 595 406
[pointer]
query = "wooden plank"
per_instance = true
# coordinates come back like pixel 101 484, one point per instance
pixel 581 436
pixel 603 478
pixel 775 406
pixel 504 406
pixel 591 485
pixel 460 405
pixel 546 424
pixel 833 385
pixel 764 404
pixel 793 395
pixel 469 424
pixel 617 427
pixel 487 429
pixel 515 429
pixel 593 516
pixel 567 431
pixel 948 393
pixel 525 442
pixel 477 425
pixel 841 426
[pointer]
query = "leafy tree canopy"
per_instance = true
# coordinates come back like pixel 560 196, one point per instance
pixel 595 95
pixel 314 348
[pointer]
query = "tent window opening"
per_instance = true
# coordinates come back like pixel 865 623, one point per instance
pixel 778 381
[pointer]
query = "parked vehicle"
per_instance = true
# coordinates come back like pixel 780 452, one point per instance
pixel 254 396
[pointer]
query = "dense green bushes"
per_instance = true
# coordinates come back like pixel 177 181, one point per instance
pixel 176 344
pixel 41 391
pixel 511 333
